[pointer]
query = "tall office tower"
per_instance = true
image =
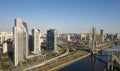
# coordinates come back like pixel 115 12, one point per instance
pixel 52 39
pixel 20 32
pixel 93 38
pixel 68 38
pixel 101 35
pixel 37 40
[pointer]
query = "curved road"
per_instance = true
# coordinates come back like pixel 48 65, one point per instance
pixel 47 61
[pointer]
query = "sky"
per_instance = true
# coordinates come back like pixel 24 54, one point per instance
pixel 67 16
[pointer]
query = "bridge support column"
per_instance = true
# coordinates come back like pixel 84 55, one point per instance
pixel 111 62
pixel 108 63
pixel 100 53
pixel 118 54
pixel 108 66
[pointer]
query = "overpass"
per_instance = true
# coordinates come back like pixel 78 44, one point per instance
pixel 115 57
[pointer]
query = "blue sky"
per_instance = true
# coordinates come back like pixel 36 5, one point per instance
pixel 64 15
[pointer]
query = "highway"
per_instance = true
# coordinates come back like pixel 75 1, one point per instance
pixel 113 55
pixel 47 61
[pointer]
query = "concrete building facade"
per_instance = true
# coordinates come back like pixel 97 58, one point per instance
pixel 68 38
pixel 20 32
pixel 36 40
pixel 5 37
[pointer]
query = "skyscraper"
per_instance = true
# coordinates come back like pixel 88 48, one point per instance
pixel 36 40
pixel 101 35
pixel 68 38
pixel 20 32
pixel 52 39
pixel 93 38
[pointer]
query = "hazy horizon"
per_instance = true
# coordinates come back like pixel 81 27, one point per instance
pixel 67 16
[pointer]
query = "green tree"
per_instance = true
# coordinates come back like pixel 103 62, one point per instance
pixel 5 62
pixel 0 58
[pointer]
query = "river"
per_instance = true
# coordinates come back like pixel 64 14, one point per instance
pixel 90 63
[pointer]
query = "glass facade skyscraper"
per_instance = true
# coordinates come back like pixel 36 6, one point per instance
pixel 52 39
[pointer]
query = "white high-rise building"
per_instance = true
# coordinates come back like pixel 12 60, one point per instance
pixel 20 31
pixel 36 40
pixel 3 41
pixel 4 37
pixel 118 37
pixel 68 38
pixel 83 36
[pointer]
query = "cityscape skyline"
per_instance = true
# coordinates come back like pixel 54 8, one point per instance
pixel 55 35
pixel 64 15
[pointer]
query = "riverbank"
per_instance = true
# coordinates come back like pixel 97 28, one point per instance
pixel 70 62
pixel 102 47
pixel 105 46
